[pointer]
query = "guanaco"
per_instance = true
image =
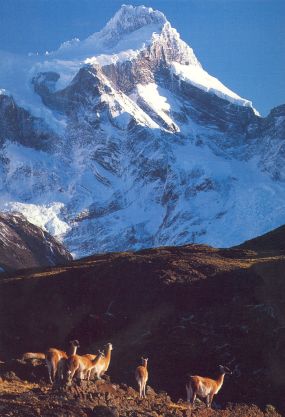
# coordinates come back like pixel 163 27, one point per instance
pixel 55 360
pixel 205 387
pixel 141 375
pixel 33 355
pixel 81 365
pixel 103 364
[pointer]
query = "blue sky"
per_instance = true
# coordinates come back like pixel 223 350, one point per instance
pixel 241 42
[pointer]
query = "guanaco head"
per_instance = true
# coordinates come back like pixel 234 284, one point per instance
pixel 224 370
pixel 74 343
pixel 144 361
pixel 109 346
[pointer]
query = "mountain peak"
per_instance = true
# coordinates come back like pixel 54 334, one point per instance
pixel 128 19
pixel 131 18
pixel 134 29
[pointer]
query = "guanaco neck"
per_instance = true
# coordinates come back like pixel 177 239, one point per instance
pixel 220 380
pixel 108 356
pixel 144 364
pixel 73 350
pixel 96 360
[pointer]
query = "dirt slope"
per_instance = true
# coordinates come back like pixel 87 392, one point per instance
pixel 105 399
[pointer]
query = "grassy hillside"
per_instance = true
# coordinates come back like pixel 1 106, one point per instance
pixel 188 308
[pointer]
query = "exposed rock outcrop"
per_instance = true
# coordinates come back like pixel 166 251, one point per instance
pixel 24 245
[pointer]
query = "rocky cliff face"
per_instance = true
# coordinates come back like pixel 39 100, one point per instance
pixel 123 141
pixel 24 245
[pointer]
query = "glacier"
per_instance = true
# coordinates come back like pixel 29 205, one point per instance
pixel 123 141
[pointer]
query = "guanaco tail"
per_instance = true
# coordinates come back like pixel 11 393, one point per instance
pixel 205 387
pixel 141 375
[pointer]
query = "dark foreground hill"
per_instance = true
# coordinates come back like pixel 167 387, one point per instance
pixel 271 241
pixel 24 245
pixel 187 308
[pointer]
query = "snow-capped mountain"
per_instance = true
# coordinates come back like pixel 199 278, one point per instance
pixel 123 141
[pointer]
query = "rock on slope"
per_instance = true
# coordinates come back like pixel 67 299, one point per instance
pixel 188 308
pixel 123 141
pixel 24 245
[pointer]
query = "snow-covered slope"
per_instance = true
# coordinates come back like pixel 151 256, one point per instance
pixel 124 141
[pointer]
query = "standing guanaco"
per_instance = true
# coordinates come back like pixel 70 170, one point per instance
pixel 107 358
pixel 141 375
pixel 103 364
pixel 205 387
pixel 55 360
pixel 81 365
